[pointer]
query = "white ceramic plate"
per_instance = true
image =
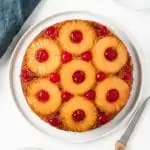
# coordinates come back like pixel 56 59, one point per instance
pixel 17 93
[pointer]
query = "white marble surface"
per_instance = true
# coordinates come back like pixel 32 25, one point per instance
pixel 16 132
pixel 135 4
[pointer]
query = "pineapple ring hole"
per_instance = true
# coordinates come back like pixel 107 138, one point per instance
pixel 78 76
pixel 112 95
pixel 42 95
pixel 78 115
pixel 110 54
pixel 76 36
pixel 41 55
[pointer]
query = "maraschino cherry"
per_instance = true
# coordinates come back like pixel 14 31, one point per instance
pixel 110 54
pixel 26 74
pixel 76 36
pixel 100 76
pixel 101 30
pixel 54 121
pixel 66 57
pixel 66 96
pixel 78 76
pixel 43 96
pixel 102 118
pixel 52 32
pixel 90 94
pixel 42 55
pixel 54 77
pixel 86 56
pixel 112 95
pixel 126 73
pixel 78 115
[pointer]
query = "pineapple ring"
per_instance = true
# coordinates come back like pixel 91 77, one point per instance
pixel 102 88
pixel 68 70
pixel 101 62
pixel 72 105
pixel 76 48
pixel 43 108
pixel 53 62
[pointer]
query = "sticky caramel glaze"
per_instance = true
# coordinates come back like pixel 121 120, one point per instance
pixel 125 73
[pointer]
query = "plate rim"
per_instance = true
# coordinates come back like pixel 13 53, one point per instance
pixel 78 138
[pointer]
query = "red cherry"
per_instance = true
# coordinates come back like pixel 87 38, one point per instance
pixel 78 115
pixel 43 96
pixel 126 73
pixel 127 76
pixel 66 57
pixel 76 36
pixel 90 94
pixel 54 122
pixel 100 76
pixel 78 76
pixel 101 30
pixel 52 32
pixel 86 56
pixel 26 75
pixel 103 119
pixel 110 54
pixel 54 77
pixel 42 55
pixel 112 95
pixel 66 96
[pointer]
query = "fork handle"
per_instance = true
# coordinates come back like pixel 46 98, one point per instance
pixel 120 146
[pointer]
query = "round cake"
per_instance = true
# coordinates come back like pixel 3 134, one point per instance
pixel 77 75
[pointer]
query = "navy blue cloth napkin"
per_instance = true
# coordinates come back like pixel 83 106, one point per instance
pixel 13 14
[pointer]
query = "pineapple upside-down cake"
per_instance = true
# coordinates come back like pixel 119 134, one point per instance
pixel 77 75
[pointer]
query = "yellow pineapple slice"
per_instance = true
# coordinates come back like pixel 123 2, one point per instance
pixel 78 114
pixel 76 37
pixel 43 96
pixel 68 77
pixel 115 101
pixel 43 56
pixel 120 54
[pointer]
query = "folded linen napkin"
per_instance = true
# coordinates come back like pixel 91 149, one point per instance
pixel 13 14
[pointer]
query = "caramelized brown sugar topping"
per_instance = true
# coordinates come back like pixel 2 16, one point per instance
pixel 77 75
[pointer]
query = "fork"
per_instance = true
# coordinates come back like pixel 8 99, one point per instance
pixel 122 143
